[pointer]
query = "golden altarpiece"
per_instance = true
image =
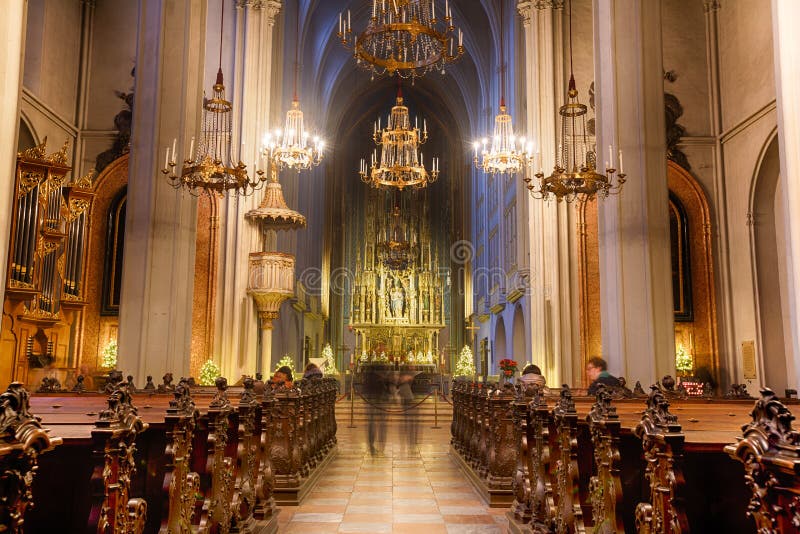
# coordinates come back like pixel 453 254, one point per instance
pixel 397 299
pixel 46 278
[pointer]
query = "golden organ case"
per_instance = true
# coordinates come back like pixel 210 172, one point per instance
pixel 46 275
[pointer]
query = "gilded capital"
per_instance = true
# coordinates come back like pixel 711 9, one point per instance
pixel 271 9
pixel 711 5
pixel 526 11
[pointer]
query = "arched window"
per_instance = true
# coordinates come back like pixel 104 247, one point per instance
pixel 681 262
pixel 115 244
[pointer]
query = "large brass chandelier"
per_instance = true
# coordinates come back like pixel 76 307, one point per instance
pixel 400 164
pixel 507 153
pixel 575 175
pixel 404 37
pixel 398 246
pixel 293 147
pixel 212 169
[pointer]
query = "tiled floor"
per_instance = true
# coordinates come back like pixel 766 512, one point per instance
pixel 403 489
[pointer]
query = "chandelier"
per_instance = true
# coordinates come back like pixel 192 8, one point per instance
pixel 400 164
pixel 398 247
pixel 507 153
pixel 212 169
pixel 575 175
pixel 293 147
pixel 404 37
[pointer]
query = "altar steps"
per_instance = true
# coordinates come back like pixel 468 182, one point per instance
pixel 425 413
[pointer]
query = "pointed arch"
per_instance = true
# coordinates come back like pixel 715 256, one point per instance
pixel 696 321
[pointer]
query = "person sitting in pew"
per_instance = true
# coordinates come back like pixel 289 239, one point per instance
pixel 596 370
pixel 312 371
pixel 532 375
pixel 283 376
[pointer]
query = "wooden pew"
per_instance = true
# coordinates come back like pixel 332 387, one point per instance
pixel 641 464
pixel 178 462
pixel 22 441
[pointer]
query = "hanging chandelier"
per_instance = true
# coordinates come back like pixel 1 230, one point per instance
pixel 212 169
pixel 398 247
pixel 575 175
pixel 293 147
pixel 401 164
pixel 507 153
pixel 404 37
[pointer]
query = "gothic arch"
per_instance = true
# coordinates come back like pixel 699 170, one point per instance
pixel 519 330
pixel 27 135
pixel 699 334
pixel 588 281
pixel 99 329
pixel 696 328
pixel 768 253
pixel 500 345
pixel 206 267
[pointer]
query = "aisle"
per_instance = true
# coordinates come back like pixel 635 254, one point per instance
pixel 419 490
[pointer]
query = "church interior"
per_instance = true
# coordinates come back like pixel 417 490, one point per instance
pixel 424 202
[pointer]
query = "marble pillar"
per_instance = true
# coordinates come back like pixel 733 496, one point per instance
pixel 237 326
pixel 12 26
pixel 157 279
pixel 786 42
pixel 547 222
pixel 635 276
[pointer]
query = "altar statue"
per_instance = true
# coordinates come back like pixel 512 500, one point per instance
pixel 398 297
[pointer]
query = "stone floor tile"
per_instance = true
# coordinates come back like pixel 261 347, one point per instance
pixel 306 528
pixel 418 518
pixel 371 528
pixel 467 519
pixel 313 517
pixel 419 528
pixel 462 510
pixel 455 528
pixel 306 508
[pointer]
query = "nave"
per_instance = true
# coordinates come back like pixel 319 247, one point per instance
pixel 403 489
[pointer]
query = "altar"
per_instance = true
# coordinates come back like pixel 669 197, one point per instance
pixel 397 306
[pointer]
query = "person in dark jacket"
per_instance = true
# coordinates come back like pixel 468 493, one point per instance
pixel 312 371
pixel 596 370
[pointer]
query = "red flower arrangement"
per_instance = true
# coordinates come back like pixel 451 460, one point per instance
pixel 508 366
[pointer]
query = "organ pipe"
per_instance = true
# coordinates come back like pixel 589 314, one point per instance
pixel 46 256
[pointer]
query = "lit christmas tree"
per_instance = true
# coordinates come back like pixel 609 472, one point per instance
pixel 209 373
pixel 465 366
pixel 683 360
pixel 329 363
pixel 287 361
pixel 109 358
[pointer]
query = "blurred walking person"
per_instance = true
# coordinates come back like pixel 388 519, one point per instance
pixel 373 389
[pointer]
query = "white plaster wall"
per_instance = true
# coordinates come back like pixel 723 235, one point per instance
pixel 742 153
pixel 113 57
pixel 747 90
pixel 52 54
pixel 746 61
pixel 583 53
pixel 683 37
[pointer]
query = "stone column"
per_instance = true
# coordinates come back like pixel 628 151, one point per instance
pixel 786 41
pixel 237 321
pixel 157 279
pixel 547 222
pixel 635 277
pixel 727 339
pixel 12 25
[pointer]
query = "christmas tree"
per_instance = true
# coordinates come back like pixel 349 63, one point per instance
pixel 330 363
pixel 287 361
pixel 465 366
pixel 683 360
pixel 109 359
pixel 209 373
